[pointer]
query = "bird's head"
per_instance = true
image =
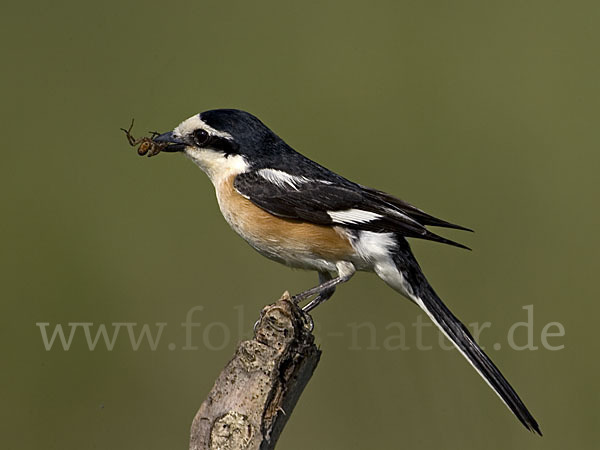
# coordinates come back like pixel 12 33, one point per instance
pixel 222 138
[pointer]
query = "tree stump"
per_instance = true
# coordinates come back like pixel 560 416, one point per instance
pixel 253 397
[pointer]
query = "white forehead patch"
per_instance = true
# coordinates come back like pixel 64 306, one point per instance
pixel 193 123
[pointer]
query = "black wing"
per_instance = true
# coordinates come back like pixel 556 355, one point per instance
pixel 338 202
pixel 412 211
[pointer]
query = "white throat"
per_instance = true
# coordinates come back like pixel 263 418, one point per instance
pixel 216 165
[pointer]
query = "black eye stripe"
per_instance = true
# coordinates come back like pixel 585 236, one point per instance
pixel 203 139
pixel 225 145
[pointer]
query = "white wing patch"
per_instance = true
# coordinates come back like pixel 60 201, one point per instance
pixel 353 216
pixel 283 179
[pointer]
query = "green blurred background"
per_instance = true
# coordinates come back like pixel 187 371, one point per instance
pixel 483 113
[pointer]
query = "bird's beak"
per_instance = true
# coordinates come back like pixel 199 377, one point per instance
pixel 174 144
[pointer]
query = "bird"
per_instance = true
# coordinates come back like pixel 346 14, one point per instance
pixel 297 212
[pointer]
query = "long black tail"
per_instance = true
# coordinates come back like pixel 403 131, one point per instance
pixel 424 295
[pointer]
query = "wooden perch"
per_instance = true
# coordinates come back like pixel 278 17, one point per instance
pixel 255 394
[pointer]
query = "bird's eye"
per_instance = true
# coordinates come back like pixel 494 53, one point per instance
pixel 201 137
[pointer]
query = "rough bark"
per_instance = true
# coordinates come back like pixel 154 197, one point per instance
pixel 254 395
